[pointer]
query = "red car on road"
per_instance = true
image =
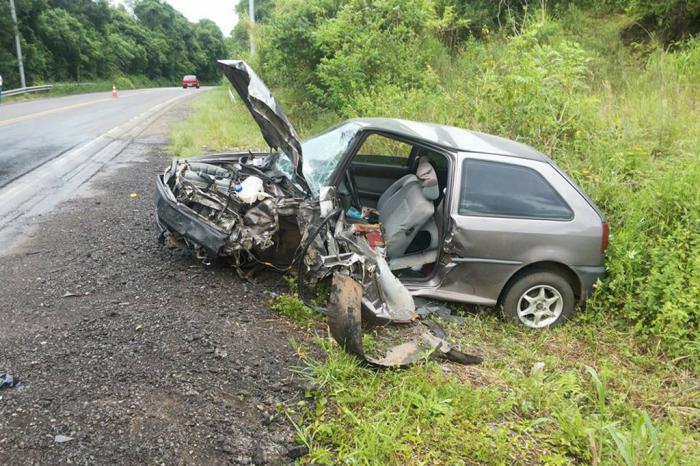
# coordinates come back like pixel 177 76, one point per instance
pixel 190 81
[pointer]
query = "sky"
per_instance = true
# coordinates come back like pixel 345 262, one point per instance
pixel 219 11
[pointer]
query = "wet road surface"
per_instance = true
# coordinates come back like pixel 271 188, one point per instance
pixel 34 132
pixel 49 148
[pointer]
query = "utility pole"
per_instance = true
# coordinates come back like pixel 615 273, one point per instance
pixel 251 12
pixel 19 48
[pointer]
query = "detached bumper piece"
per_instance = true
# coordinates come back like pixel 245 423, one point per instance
pixel 186 224
pixel 345 321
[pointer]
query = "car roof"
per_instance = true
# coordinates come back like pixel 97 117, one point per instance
pixel 450 137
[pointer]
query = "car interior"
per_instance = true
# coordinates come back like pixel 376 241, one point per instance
pixel 406 184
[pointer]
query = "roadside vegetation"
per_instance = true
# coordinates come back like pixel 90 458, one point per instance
pixel 220 122
pixel 617 108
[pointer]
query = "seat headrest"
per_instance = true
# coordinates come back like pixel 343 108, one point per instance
pixel 428 179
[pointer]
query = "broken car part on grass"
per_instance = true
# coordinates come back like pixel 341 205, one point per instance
pixel 345 321
pixel 261 209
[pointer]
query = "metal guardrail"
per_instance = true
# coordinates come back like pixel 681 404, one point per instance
pixel 24 90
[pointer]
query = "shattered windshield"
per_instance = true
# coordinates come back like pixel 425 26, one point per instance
pixel 321 155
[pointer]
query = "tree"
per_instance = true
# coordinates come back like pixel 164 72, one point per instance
pixel 72 47
pixel 90 39
pixel 211 43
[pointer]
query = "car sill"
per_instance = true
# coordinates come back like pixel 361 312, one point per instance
pixel 484 260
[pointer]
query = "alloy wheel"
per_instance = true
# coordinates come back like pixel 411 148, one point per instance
pixel 540 306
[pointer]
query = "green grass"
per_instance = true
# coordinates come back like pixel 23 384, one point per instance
pixel 218 124
pixel 585 393
pixel 601 398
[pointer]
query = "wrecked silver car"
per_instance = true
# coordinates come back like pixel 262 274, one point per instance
pixel 400 208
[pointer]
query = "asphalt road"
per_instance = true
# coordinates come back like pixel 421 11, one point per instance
pixel 49 148
pixel 34 132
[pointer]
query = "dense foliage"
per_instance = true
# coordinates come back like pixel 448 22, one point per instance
pixel 620 117
pixel 78 40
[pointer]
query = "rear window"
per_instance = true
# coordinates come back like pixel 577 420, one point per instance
pixel 190 77
pixel 495 189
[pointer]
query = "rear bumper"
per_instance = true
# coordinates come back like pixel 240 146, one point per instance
pixel 589 275
pixel 177 218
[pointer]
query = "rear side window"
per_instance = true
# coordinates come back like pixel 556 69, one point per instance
pixel 495 189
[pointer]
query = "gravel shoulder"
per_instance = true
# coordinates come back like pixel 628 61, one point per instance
pixel 138 353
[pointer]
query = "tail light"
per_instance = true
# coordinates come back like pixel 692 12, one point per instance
pixel 604 239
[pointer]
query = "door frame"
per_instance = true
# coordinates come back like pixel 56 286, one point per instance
pixel 433 280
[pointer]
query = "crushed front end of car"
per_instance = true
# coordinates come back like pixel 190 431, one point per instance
pixel 253 210
pixel 227 206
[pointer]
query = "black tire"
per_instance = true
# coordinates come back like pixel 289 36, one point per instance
pixel 535 283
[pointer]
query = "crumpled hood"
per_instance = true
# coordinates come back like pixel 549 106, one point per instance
pixel 268 114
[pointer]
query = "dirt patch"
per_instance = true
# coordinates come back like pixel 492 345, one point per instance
pixel 157 358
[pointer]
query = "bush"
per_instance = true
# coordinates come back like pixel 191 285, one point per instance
pixel 654 260
pixel 337 51
pixel 534 90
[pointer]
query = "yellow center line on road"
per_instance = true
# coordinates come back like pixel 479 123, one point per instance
pixel 67 107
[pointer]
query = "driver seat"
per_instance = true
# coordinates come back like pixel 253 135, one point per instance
pixel 406 208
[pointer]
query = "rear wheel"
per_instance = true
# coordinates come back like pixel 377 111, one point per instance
pixel 539 300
